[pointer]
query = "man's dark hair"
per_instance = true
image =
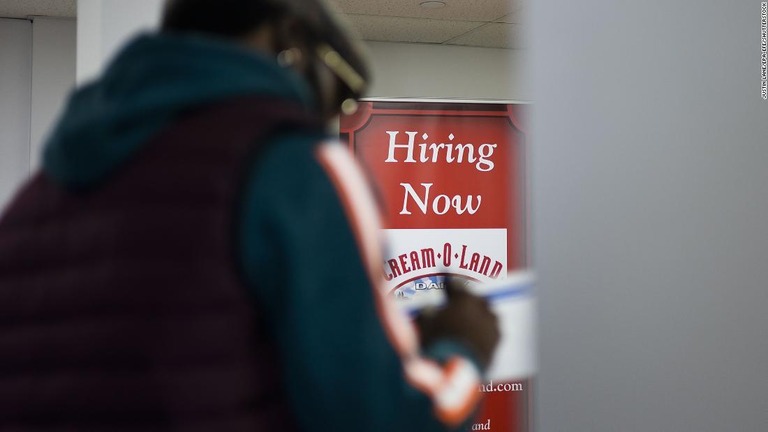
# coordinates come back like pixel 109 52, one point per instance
pixel 223 18
pixel 234 19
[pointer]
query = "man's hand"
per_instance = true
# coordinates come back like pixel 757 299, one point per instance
pixel 465 318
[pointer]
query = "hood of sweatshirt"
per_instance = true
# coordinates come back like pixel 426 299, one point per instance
pixel 154 79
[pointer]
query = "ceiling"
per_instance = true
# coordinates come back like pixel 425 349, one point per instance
pixel 478 23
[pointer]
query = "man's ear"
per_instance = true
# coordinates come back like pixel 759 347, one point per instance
pixel 262 39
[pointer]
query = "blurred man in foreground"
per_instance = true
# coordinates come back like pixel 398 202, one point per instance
pixel 197 255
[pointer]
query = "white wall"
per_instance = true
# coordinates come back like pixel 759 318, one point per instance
pixel 105 25
pixel 15 104
pixel 53 75
pixel 54 52
pixel 400 70
pixel 442 71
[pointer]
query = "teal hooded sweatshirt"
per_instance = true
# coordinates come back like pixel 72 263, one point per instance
pixel 301 260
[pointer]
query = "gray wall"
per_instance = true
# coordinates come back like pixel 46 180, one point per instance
pixel 444 71
pixel 53 75
pixel 15 88
pixel 37 71
pixel 650 159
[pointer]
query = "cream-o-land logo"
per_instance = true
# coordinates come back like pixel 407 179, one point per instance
pixel 418 260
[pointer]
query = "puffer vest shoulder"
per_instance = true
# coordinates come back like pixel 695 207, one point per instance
pixel 123 308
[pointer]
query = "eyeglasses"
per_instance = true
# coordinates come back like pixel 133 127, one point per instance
pixel 345 73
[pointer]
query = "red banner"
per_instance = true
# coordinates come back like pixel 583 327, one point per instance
pixel 451 179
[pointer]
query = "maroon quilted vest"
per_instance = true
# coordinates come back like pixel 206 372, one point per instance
pixel 123 308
